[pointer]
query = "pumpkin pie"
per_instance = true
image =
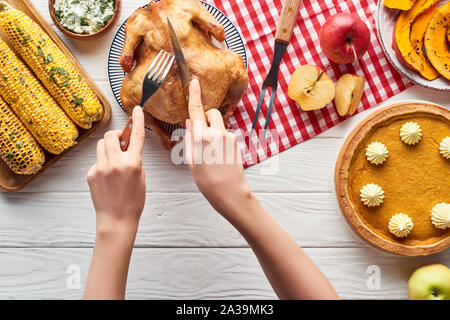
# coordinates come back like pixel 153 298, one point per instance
pixel 414 178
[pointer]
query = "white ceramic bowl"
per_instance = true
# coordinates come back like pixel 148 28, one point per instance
pixel 386 19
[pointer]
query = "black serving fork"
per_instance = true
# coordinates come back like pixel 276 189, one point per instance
pixel 288 19
pixel 153 79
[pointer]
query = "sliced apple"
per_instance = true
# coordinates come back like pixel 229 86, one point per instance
pixel 349 91
pixel 399 4
pixel 418 30
pixel 402 32
pixel 435 41
pixel 311 88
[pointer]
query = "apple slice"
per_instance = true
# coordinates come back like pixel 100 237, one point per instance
pixel 349 91
pixel 311 88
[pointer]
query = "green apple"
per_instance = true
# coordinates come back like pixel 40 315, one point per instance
pixel 430 283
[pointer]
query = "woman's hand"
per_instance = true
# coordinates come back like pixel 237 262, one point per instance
pixel 215 161
pixel 213 155
pixel 117 181
pixel 117 184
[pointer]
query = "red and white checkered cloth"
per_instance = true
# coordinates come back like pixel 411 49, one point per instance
pixel 257 21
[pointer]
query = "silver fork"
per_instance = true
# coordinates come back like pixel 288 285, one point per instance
pixel 286 24
pixel 153 80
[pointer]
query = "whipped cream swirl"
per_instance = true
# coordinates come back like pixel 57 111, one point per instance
pixel 376 153
pixel 372 195
pixel 444 147
pixel 400 225
pixel 411 133
pixel 440 215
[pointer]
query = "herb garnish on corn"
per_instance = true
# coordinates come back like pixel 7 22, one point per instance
pixel 52 67
pixel 18 148
pixel 29 100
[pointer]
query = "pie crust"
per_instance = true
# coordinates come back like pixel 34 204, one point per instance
pixel 360 219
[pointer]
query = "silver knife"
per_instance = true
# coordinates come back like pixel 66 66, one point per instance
pixel 179 56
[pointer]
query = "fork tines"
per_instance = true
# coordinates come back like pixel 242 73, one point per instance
pixel 160 67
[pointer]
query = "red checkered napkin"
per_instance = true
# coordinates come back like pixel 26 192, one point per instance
pixel 257 21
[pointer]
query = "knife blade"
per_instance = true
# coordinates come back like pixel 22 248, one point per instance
pixel 179 56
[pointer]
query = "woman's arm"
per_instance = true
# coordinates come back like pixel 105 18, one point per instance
pixel 288 268
pixel 117 184
pixel 215 161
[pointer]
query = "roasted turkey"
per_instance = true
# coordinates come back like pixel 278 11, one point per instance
pixel 221 72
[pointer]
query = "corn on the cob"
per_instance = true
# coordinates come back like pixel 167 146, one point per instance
pixel 51 66
pixel 18 148
pixel 40 113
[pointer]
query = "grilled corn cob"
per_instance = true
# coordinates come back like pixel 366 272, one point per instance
pixel 17 146
pixel 52 67
pixel 33 104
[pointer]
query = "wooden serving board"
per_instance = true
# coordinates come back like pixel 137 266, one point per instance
pixel 11 181
pixel 342 172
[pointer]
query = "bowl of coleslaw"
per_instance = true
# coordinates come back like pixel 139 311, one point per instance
pixel 81 19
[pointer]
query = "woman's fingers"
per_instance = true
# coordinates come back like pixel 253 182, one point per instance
pixel 112 143
pixel 215 119
pixel 197 117
pixel 138 132
pixel 196 112
pixel 189 143
pixel 102 161
pixel 234 146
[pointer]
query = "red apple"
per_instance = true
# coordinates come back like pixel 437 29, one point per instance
pixel 344 38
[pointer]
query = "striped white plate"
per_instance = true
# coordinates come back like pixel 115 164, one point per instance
pixel 233 41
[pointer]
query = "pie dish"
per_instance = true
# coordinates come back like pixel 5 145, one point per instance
pixel 414 178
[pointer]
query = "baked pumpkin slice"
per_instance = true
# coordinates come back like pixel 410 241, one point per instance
pixel 402 43
pixel 448 35
pixel 436 41
pixel 418 30
pixel 399 4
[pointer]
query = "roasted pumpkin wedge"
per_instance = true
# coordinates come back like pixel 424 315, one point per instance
pixel 448 36
pixel 418 30
pixel 402 32
pixel 436 41
pixel 399 4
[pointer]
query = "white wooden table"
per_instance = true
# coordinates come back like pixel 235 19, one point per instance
pixel 184 249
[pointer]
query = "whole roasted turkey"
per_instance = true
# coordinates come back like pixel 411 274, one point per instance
pixel 221 72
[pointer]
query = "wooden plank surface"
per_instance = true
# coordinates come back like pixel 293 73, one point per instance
pixel 185 249
pixel 169 220
pixel 202 273
pixel 306 168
